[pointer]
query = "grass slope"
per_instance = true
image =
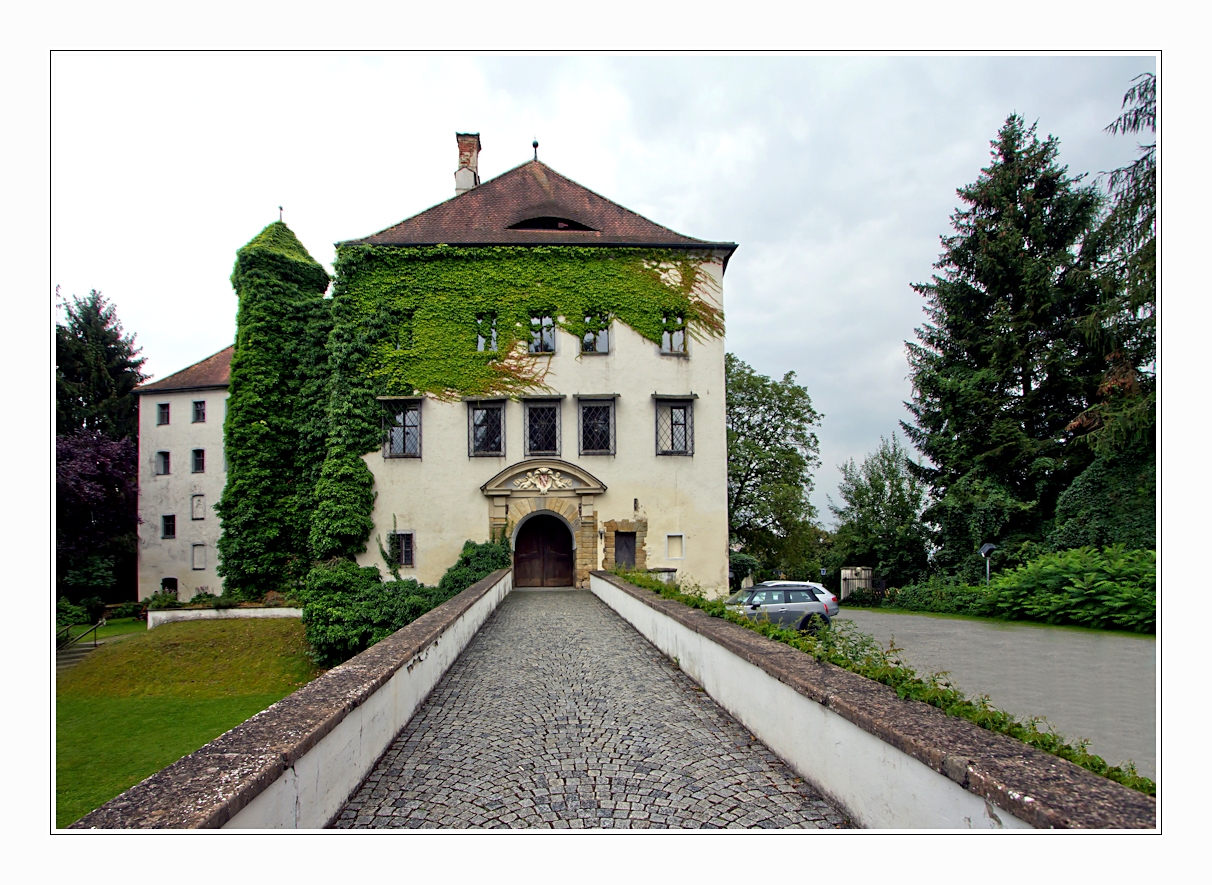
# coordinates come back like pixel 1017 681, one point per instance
pixel 133 707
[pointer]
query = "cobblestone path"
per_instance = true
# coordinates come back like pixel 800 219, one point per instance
pixel 559 714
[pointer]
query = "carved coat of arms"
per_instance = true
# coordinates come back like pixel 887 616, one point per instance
pixel 544 479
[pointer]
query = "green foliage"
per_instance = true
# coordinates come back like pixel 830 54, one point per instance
pixel 741 566
pixel 163 599
pixel 476 562
pixel 771 449
pixel 1111 588
pixel 1123 323
pixel 97 368
pixel 276 422
pixel 1003 365
pixel 879 521
pixel 67 614
pixel 1113 501
pixel 348 608
pixel 129 609
pixel 847 647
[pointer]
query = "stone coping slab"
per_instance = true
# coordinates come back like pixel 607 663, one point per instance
pixel 1040 789
pixel 208 787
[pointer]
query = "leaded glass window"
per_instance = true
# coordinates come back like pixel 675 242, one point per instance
pixel 542 428
pixel 403 430
pixel 597 427
pixel 486 428
pixel 675 427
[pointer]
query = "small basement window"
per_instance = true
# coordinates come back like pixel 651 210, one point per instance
pixel 168 585
pixel 550 222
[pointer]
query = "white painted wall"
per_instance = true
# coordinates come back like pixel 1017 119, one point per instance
pixel 438 496
pixel 172 494
pixel 310 793
pixel 171 615
pixel 878 785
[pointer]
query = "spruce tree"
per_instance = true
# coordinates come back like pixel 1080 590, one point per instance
pixel 96 369
pixel 1001 367
pixel 275 427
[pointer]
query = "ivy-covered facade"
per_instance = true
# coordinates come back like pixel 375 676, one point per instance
pixel 526 359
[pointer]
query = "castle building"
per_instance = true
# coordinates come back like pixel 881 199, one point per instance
pixel 613 451
pixel 181 475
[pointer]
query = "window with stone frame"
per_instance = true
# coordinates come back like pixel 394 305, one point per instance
pixel 673 335
pixel 486 429
pixel 596 427
pixel 403 548
pixel 402 429
pixel 542 430
pixel 542 333
pixel 674 427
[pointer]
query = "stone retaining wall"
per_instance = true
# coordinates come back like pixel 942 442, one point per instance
pixel 886 761
pixel 296 763
pixel 169 615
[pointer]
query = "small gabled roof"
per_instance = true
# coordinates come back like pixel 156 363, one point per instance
pixel 491 213
pixel 212 372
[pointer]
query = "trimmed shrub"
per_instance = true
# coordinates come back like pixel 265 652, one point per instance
pixel 347 608
pixel 1112 588
pixel 163 599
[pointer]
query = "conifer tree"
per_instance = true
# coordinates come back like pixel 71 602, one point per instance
pixel 96 369
pixel 275 428
pixel 1002 366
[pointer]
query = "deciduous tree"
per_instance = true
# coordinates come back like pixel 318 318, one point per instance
pixel 771 452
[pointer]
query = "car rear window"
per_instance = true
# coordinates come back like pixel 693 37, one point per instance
pixel 800 596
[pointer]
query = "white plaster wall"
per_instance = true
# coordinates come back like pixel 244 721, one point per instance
pixel 310 793
pixel 438 496
pixel 878 785
pixel 158 495
pixel 169 616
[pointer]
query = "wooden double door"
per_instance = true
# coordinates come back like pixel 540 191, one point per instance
pixel 542 554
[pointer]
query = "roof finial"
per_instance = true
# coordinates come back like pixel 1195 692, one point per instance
pixel 279 213
pixel 535 144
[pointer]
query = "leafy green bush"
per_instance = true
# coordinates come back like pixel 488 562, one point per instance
pixel 163 599
pixel 67 614
pixel 347 608
pixel 849 648
pixel 1108 588
pixel 127 609
pixel 938 594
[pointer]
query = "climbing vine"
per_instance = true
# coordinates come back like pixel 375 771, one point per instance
pixel 410 320
pixel 275 430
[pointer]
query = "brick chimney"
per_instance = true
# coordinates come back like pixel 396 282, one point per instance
pixel 467 175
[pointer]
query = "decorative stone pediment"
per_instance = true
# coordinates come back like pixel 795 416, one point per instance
pixel 543 477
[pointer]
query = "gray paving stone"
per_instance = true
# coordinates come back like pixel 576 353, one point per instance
pixel 559 714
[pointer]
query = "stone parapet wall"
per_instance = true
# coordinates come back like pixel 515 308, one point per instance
pixel 295 764
pixel 887 761
pixel 169 615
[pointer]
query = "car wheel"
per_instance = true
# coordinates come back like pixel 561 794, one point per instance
pixel 813 622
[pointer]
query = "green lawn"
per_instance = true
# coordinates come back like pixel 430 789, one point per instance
pixel 135 706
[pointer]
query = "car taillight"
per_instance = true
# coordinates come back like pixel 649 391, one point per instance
pixel 833 599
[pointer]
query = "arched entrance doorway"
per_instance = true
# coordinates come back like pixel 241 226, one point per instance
pixel 542 553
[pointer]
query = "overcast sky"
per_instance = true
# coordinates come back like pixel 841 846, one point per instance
pixel 835 174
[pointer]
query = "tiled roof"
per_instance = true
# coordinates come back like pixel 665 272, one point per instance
pixel 214 371
pixel 485 214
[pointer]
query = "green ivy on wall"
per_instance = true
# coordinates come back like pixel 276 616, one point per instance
pixel 406 321
pixel 276 425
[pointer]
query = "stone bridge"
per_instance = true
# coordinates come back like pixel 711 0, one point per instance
pixel 607 708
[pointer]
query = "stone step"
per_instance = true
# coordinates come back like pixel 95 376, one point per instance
pixel 74 654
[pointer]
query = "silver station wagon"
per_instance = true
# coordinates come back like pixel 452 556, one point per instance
pixel 790 606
